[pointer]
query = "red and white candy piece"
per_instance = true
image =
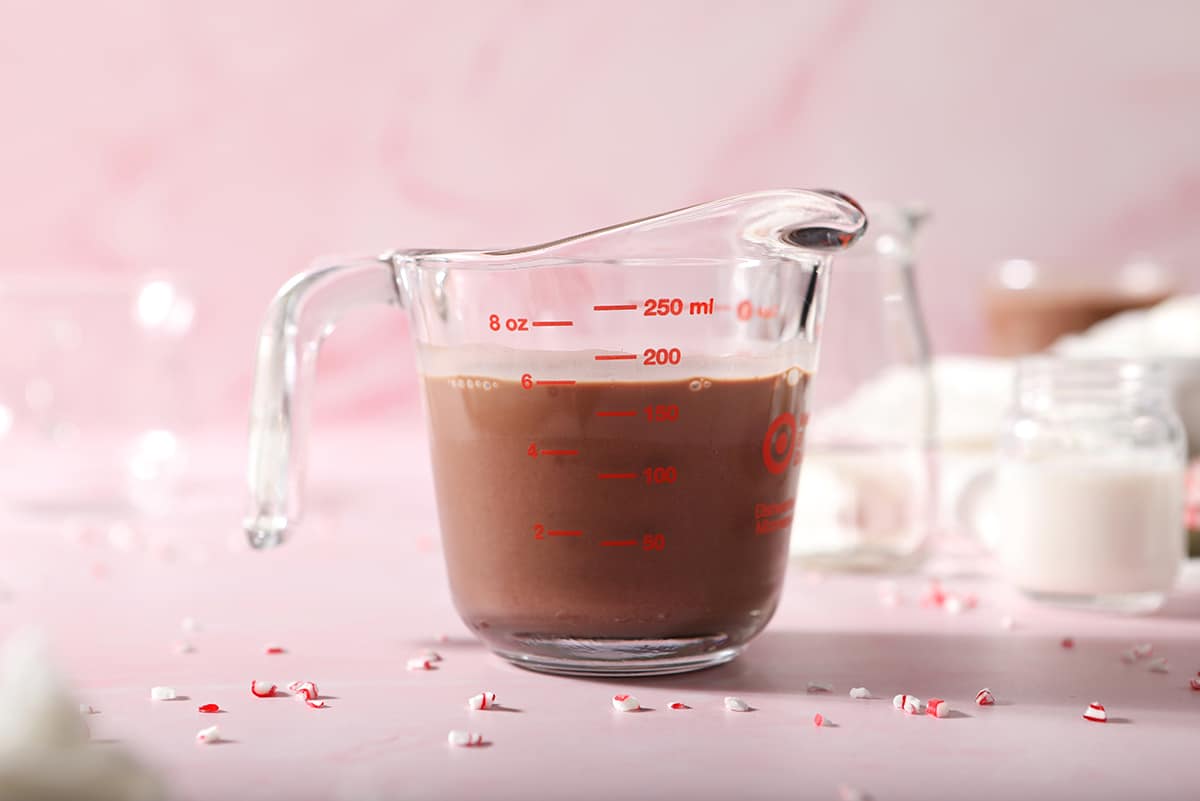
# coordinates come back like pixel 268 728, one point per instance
pixel 1128 657
pixel 162 694
pixel 262 689
pixel 483 700
pixel 624 702
pixel 678 705
pixel 210 708
pixel 1096 713
pixel 819 687
pixel 313 703
pixel 984 697
pixel 1158 665
pixel 937 707
pixel 900 701
pixel 860 692
pixel 208 736
pixel 419 663
pixel 1068 642
pixel 914 706
pixel 1193 683
pixel 464 739
pixel 275 649
pixel 1142 651
pixel 818 720
pixel 305 688
pixel 735 704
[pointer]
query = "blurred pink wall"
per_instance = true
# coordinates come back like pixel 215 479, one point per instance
pixel 226 144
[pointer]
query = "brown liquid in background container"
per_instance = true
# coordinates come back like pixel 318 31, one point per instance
pixel 553 528
pixel 1028 307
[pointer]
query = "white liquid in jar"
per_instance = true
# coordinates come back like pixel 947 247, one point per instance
pixel 1091 526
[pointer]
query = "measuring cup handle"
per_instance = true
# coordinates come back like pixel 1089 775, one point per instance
pixel 302 314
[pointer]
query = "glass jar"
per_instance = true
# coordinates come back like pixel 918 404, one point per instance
pixel 1089 485
pixel 867 484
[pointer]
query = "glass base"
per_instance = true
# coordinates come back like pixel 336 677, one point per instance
pixel 619 658
pixel 1128 603
pixel 860 560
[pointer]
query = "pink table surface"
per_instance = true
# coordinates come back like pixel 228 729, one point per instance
pixel 363 589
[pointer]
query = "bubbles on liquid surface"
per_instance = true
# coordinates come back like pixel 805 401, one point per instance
pixel 697 384
pixel 793 376
pixel 487 385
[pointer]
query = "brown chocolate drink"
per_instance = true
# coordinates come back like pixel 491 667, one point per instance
pixel 616 509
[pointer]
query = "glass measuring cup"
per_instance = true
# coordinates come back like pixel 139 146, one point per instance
pixel 616 422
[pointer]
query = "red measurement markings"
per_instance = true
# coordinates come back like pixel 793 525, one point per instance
pixel 616 475
pixel 618 543
pixel 617 307
pixel 632 413
pixel 547 323
pixel 548 452
pixel 564 382
pixel 612 357
pixel 560 533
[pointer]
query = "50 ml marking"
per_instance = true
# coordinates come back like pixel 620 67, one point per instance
pixel 650 542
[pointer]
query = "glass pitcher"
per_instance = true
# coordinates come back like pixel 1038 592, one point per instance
pixel 616 419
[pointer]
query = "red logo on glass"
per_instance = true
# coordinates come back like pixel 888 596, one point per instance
pixel 779 443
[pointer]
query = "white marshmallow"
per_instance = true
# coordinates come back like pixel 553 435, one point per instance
pixel 162 693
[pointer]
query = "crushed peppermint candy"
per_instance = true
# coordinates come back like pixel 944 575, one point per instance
pixel 1194 683
pixel 860 692
pixel 208 736
pixel 1128 657
pixel 735 704
pixel 678 705
pixel 1096 713
pixel 262 689
pixel 1158 665
pixel 937 707
pixel 818 720
pixel 464 739
pixel 313 703
pixel 985 698
pixel 305 688
pixel 162 694
pixel 1144 650
pixel 275 649
pixel 419 663
pixel 625 703
pixel 914 706
pixel 1067 642
pixel 210 708
pixel 483 700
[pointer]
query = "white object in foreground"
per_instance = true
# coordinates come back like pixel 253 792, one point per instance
pixel 208 736
pixel 625 703
pixel 735 704
pixel 162 694
pixel 860 692
pixel 464 739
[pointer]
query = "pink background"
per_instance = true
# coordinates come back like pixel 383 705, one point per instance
pixel 226 144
